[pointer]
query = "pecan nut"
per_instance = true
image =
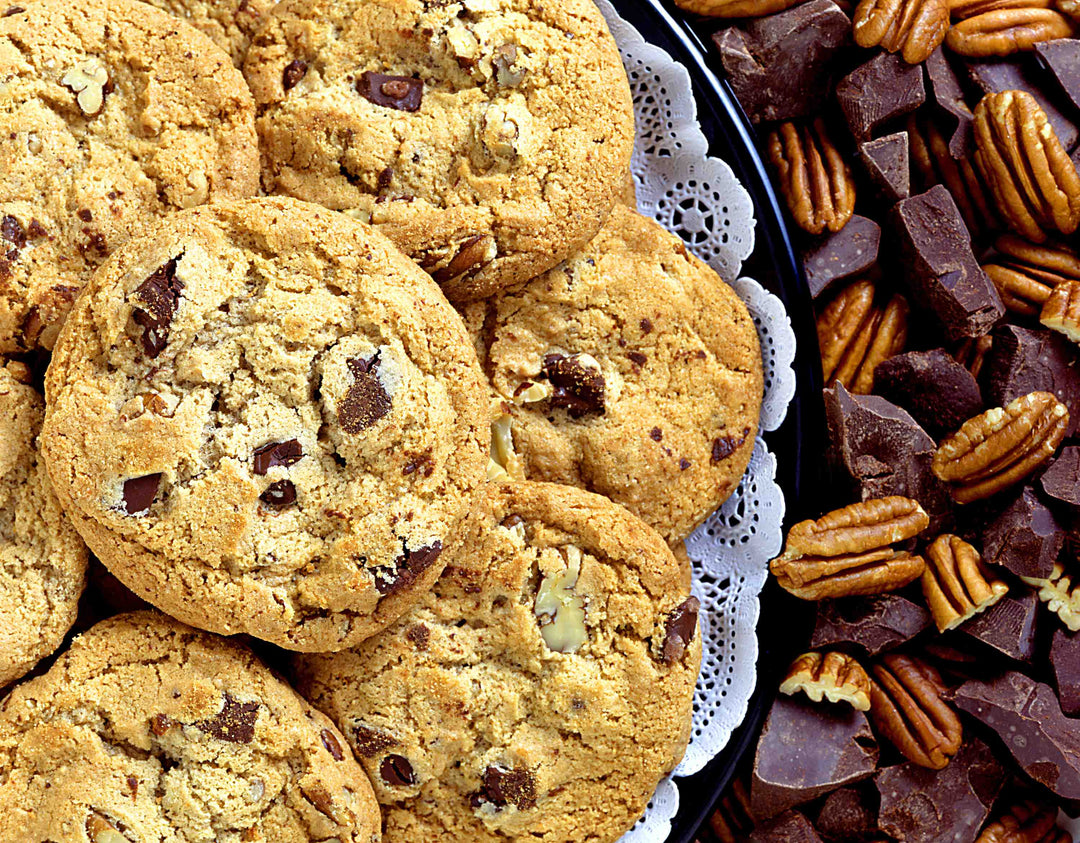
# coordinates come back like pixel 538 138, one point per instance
pixel 914 28
pixel 1061 310
pixel 1070 8
pixel 1025 822
pixel 815 180
pixel 503 461
pixel 908 709
pixel 733 820
pixel 1021 293
pixel 1000 447
pixel 1025 273
pixel 1061 594
pixel 1025 166
pixel 855 334
pixel 736 8
pixel 835 676
pixel 964 9
pixel 957 584
pixel 1006 31
pixel 971 353
pixel 849 552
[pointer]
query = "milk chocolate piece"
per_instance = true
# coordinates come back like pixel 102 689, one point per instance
pixel 807 750
pixel 789 827
pixel 1010 626
pixel 939 393
pixel 1025 538
pixel 847 814
pixel 1016 74
pixel 781 67
pixel 1065 659
pixel 1028 719
pixel 927 806
pixel 948 93
pixel 882 89
pixel 876 623
pixel 887 163
pixel 1062 58
pixel 1061 481
pixel 833 257
pixel 941 270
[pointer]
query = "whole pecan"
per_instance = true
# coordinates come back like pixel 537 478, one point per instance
pixel 733 820
pixel 1061 594
pixel 956 583
pixel 1061 310
pixel 963 9
pixel 914 28
pixel 1000 447
pixel 1025 822
pixel 848 551
pixel 1025 273
pixel 1006 31
pixel 736 8
pixel 1021 293
pixel 856 333
pixel 971 353
pixel 815 180
pixel 835 676
pixel 1025 166
pixel 907 708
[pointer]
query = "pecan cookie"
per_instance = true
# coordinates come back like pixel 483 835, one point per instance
pixel 631 370
pixel 111 114
pixel 264 418
pixel 487 138
pixel 231 24
pixel 148 730
pixel 42 558
pixel 539 692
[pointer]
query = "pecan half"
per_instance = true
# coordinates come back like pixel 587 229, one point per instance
pixel 1020 292
pixel 1061 310
pixel 848 551
pixel 835 676
pixel 1051 262
pixel 907 708
pixel 914 28
pixel 855 334
pixel 971 354
pixel 733 820
pixel 956 583
pixel 1025 166
pixel 963 9
pixel 1061 594
pixel 503 461
pixel 736 8
pixel 1006 31
pixel 1000 447
pixel 1025 822
pixel 815 180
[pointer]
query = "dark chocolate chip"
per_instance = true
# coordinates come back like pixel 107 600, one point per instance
pixel 366 401
pixel 419 635
pixel 332 744
pixel 680 630
pixel 279 494
pixel 85 215
pixel 386 178
pixel 637 358
pixel 508 787
pixel 235 723
pixel 578 389
pixel 14 10
pixel 724 446
pixel 160 724
pixel 397 771
pixel 277 453
pixel 400 92
pixel 657 435
pixel 158 297
pixel 684 464
pixel 407 568
pixel 139 493
pixel 12 231
pixel 370 742
pixel 293 73
pixel 646 326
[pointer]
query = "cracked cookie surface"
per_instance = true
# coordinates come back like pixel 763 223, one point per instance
pixel 111 113
pixel 263 418
pixel 631 370
pixel 487 138
pixel 231 24
pixel 539 692
pixel 42 558
pixel 147 730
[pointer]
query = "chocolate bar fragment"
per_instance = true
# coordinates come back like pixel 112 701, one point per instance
pixel 1025 538
pixel 876 623
pixel 887 162
pixel 789 827
pixel 834 257
pixel 948 93
pixel 939 393
pixel 1061 481
pixel 1062 58
pixel 1065 659
pixel 849 813
pixel 884 88
pixel 1010 626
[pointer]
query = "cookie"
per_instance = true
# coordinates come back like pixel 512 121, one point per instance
pixel 145 729
pixel 487 138
pixel 539 692
pixel 112 114
pixel 42 558
pixel 231 24
pixel 264 418
pixel 631 370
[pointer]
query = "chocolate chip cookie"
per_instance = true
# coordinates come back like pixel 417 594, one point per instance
pixel 149 730
pixel 487 138
pixel 631 370
pixel 539 692
pixel 42 558
pixel 231 24
pixel 264 418
pixel 111 114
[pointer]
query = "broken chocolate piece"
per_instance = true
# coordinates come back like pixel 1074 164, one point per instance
pixel 948 93
pixel 400 92
pixel 397 771
pixel 332 744
pixel 277 453
pixel 847 814
pixel 1025 538
pixel 367 400
pixel 834 257
pixel 370 742
pixel 508 787
pixel 680 630
pixel 407 568
pixel 1010 626
pixel 158 298
pixel 279 494
pixel 1065 659
pixel 12 231
pixel 578 382
pixel 882 89
pixel 722 447
pixel 875 623
pixel 293 73
pixel 1061 481
pixel 139 493
pixel 886 161
pixel 789 827
pixel 1062 58
pixel 235 723
pixel 939 393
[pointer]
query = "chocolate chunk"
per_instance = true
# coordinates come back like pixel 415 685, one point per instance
pixel 927 806
pixel 400 92
pixel 847 814
pixel 508 787
pixel 722 447
pixel 680 630
pixel 579 389
pixel 882 89
pixel 139 493
pixel 407 568
pixel 789 827
pixel 160 724
pixel 948 93
pixel 834 257
pixel 875 623
pixel 332 744
pixel 293 73
pixel 366 401
pixel 12 231
pixel 279 494
pixel 781 66
pixel 1062 58
pixel 419 635
pixel 637 358
pixel 1065 659
pixel 277 453
pixel 235 723
pixel 1061 481
pixel 158 298
pixel 369 742
pixel 397 771
pixel 942 273
pixel 886 161
pixel 13 10
pixel 1027 717
pixel 1010 626
pixel 806 751
pixel 1025 538
pixel 1016 74
pixel 939 393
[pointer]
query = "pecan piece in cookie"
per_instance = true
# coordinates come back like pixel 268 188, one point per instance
pixel 400 92
pixel 396 771
pixel 914 28
pixel 856 333
pixel 834 676
pixel 956 583
pixel 815 180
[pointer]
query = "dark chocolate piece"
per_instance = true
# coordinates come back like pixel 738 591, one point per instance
pixel 887 162
pixel 366 401
pixel 400 92
pixel 505 787
pixel 1062 58
pixel 396 771
pixel 722 446
pixel 370 742
pixel 277 453
pixel 680 630
pixel 1010 626
pixel 833 257
pixel 789 827
pixel 1016 74
pixel 806 751
pixel 875 623
pixel 1065 659
pixel 235 723
pixel 157 299
pixel 939 393
pixel 279 494
pixel 847 814
pixel 948 93
pixel 882 89
pixel 579 389
pixel 407 567
pixel 1061 481
pixel 12 231
pixel 332 744
pixel 139 493
pixel 941 270
pixel 292 74
pixel 1025 538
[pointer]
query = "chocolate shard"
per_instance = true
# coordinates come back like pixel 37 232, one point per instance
pixel 277 454
pixel 948 93
pixel 849 813
pixel 941 270
pixel 12 231
pixel 882 89
pixel 279 494
pixel 876 623
pixel 1010 626
pixel 939 393
pixel 332 744
pixel 407 568
pixel 886 161
pixel 1061 481
pixel 1025 538
pixel 579 386
pixel 781 66
pixel 369 742
pixel 504 787
pixel 235 723
pixel 396 771
pixel 789 827
pixel 806 751
pixel 680 630
pixel 1062 58
pixel 367 400
pixel 927 806
pixel 156 301
pixel 1065 659
pixel 398 92
pixel 139 493
pixel 292 74
pixel 848 252
pixel 1028 718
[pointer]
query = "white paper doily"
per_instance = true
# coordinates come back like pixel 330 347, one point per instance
pixel 700 199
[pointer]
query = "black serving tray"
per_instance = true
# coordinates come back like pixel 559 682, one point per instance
pixel 799 443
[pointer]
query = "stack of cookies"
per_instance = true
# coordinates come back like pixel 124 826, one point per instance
pixel 331 327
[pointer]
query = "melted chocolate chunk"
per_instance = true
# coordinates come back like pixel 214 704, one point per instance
pixel 637 358
pixel 293 73
pixel 397 771
pixel 724 446
pixel 332 744
pixel 407 567
pixel 401 92
pixel 681 627
pixel 277 453
pixel 235 723
pixel 13 10
pixel 139 493
pixel 370 742
pixel 12 231
pixel 279 494
pixel 507 787
pixel 159 296
pixel 366 401
pixel 578 389
pixel 419 634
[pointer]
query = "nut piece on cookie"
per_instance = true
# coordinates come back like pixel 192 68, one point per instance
pixel 88 80
pixel 834 676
